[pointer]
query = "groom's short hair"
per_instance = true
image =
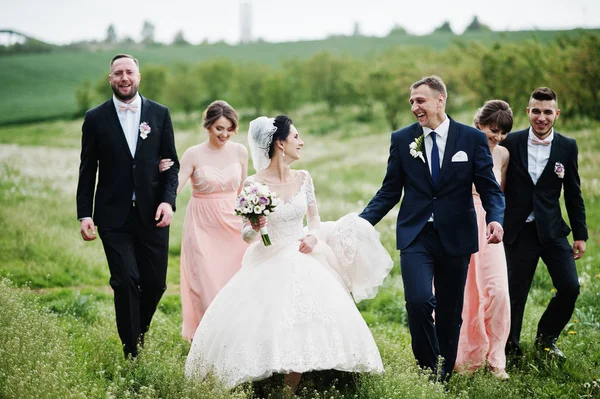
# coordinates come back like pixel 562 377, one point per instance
pixel 434 82
pixel 544 94
pixel 119 56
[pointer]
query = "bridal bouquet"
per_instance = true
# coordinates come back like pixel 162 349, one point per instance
pixel 256 200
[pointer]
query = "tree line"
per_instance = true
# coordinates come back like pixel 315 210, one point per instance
pixel 474 73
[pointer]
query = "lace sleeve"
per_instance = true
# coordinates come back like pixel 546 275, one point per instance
pixel 248 233
pixel 312 212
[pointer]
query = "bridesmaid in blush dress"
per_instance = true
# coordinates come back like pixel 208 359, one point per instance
pixel 486 310
pixel 211 245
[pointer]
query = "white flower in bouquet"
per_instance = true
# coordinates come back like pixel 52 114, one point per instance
pixel 254 201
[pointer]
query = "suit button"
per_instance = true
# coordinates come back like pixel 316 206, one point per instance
pixel 133 166
pixel 434 198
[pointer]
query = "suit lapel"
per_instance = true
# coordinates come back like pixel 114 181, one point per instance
pixel 449 150
pixel 522 146
pixel 143 118
pixel 552 159
pixel 115 125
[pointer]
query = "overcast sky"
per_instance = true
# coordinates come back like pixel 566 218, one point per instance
pixel 65 21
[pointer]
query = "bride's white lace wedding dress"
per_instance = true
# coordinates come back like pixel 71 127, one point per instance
pixel 286 311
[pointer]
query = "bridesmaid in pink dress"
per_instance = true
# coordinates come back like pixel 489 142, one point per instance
pixel 486 310
pixel 211 245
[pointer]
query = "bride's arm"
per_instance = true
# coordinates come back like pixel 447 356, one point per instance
pixel 250 230
pixel 312 212
pixel 313 219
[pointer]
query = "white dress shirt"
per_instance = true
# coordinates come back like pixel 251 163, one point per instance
pixel 441 138
pixel 537 159
pixel 130 122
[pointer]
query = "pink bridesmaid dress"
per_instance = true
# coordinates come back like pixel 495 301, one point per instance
pixel 211 246
pixel 486 310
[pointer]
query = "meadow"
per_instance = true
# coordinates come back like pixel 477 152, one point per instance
pixel 58 337
pixel 38 87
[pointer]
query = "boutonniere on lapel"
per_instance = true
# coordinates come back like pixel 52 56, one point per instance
pixel 559 169
pixel 144 130
pixel 416 148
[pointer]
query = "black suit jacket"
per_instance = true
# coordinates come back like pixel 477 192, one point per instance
pixel 104 151
pixel 522 196
pixel 452 202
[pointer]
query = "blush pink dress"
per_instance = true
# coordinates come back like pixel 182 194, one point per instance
pixel 486 310
pixel 211 246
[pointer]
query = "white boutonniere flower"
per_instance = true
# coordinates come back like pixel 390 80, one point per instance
pixel 144 130
pixel 559 169
pixel 416 148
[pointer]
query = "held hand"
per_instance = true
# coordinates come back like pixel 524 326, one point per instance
pixel 261 222
pixel 166 211
pixel 87 229
pixel 165 164
pixel 307 244
pixel 494 233
pixel 578 249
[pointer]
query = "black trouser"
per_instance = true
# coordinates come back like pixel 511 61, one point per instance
pixel 137 257
pixel 522 257
pixel 424 261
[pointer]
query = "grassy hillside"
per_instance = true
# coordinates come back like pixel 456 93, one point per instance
pixel 57 332
pixel 41 86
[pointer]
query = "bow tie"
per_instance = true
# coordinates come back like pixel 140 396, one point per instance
pixel 536 141
pixel 132 108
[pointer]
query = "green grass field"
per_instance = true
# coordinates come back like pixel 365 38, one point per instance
pixel 38 87
pixel 58 337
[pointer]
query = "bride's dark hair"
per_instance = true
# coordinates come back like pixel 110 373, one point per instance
pixel 282 123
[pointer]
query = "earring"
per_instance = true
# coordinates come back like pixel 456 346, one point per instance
pixel 283 153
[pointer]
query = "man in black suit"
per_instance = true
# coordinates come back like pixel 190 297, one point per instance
pixel 123 141
pixel 434 163
pixel 542 163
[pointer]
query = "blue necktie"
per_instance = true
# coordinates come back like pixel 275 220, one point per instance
pixel 435 161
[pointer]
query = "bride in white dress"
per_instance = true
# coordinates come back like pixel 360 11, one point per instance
pixel 290 308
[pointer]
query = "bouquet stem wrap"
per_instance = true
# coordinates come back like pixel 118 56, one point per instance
pixel 264 234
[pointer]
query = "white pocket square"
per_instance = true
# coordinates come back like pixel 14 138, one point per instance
pixel 460 156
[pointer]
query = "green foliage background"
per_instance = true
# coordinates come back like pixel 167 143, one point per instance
pixel 39 87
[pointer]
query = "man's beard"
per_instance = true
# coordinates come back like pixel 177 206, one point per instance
pixel 545 133
pixel 122 98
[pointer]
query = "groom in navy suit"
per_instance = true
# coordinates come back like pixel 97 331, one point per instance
pixel 435 163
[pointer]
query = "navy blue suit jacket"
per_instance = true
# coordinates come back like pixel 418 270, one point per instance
pixel 452 202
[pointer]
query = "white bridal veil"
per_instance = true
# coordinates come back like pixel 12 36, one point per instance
pixel 260 136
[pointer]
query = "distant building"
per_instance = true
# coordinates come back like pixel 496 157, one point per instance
pixel 356 29
pixel 245 22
